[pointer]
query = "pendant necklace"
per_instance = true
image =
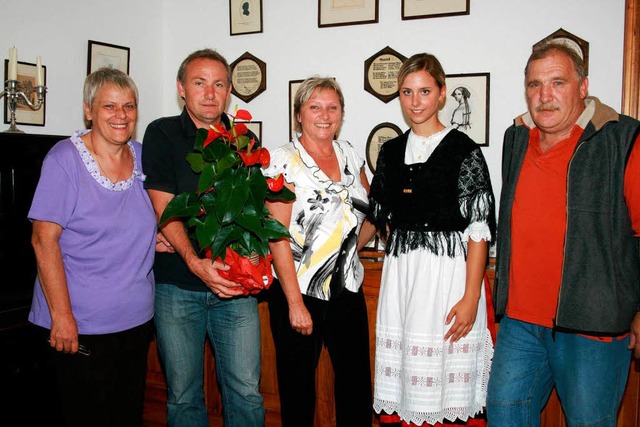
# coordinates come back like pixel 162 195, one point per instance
pixel 321 156
pixel 102 171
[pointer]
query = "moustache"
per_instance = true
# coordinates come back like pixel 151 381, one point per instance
pixel 547 107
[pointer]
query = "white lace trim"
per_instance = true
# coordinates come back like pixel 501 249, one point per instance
pixel 436 384
pixel 477 231
pixel 94 169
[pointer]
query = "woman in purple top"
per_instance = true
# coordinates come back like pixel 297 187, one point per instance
pixel 94 235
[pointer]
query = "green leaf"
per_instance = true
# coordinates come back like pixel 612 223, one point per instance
pixel 245 241
pixel 196 161
pixel 207 178
pixel 284 195
pixel 207 231
pixel 185 204
pixel 216 150
pixel 201 135
pixel 223 238
pixel 258 189
pixel 242 141
pixel 273 229
pixel 208 201
pixel 228 161
pixel 250 220
pixel 232 190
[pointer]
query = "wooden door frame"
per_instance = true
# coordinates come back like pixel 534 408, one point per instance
pixel 631 60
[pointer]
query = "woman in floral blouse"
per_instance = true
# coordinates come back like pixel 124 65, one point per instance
pixel 317 299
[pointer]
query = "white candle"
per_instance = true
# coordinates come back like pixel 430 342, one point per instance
pixel 13 63
pixel 39 80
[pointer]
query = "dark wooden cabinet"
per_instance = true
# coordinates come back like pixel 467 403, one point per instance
pixel 26 385
pixel 155 409
pixel 20 164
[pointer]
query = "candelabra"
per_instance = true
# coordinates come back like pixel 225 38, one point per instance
pixel 13 91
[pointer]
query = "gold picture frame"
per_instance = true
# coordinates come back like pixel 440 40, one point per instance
pixel 333 13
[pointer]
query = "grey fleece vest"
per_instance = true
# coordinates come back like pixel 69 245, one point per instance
pixel 600 286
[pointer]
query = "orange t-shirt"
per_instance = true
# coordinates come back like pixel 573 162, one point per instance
pixel 539 223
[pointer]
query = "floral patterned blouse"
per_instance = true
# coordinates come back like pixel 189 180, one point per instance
pixel 325 219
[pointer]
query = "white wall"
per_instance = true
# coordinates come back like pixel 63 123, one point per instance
pixel 59 31
pixel 496 38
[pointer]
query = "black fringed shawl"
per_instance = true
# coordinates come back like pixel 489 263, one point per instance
pixel 427 205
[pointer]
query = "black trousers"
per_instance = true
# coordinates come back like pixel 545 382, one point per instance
pixel 105 388
pixel 341 325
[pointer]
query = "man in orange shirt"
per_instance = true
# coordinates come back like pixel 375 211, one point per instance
pixel 568 269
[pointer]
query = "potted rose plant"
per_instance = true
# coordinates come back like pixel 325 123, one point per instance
pixel 226 212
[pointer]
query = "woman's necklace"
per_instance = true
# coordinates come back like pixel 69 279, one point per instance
pixel 102 171
pixel 96 157
pixel 321 156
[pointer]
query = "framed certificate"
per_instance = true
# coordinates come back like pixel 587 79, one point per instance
pixel 381 74
pixel 248 77
pixel 574 42
pixel 378 136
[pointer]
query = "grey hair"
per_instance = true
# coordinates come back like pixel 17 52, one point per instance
pixel 103 76
pixel 304 92
pixel 549 48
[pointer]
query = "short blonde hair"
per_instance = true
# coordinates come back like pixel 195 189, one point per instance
pixel 304 92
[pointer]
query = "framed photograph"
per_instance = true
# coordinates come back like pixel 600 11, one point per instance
pixel 419 9
pixel 107 55
pixel 245 16
pixel 378 136
pixel 25 115
pixel 564 37
pixel 381 74
pixel 256 128
pixel 248 77
pixel 467 105
pixel 293 88
pixel 333 13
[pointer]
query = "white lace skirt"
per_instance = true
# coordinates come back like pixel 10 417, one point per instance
pixel 418 375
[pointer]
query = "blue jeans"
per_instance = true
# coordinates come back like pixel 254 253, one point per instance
pixel 183 319
pixel 589 376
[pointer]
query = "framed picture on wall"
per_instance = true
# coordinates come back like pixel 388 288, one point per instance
pixel 248 77
pixel 107 55
pixel 378 136
pixel 245 16
pixel 467 105
pixel 255 127
pixel 381 74
pixel 293 88
pixel 564 37
pixel 25 115
pixel 420 9
pixel 332 13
